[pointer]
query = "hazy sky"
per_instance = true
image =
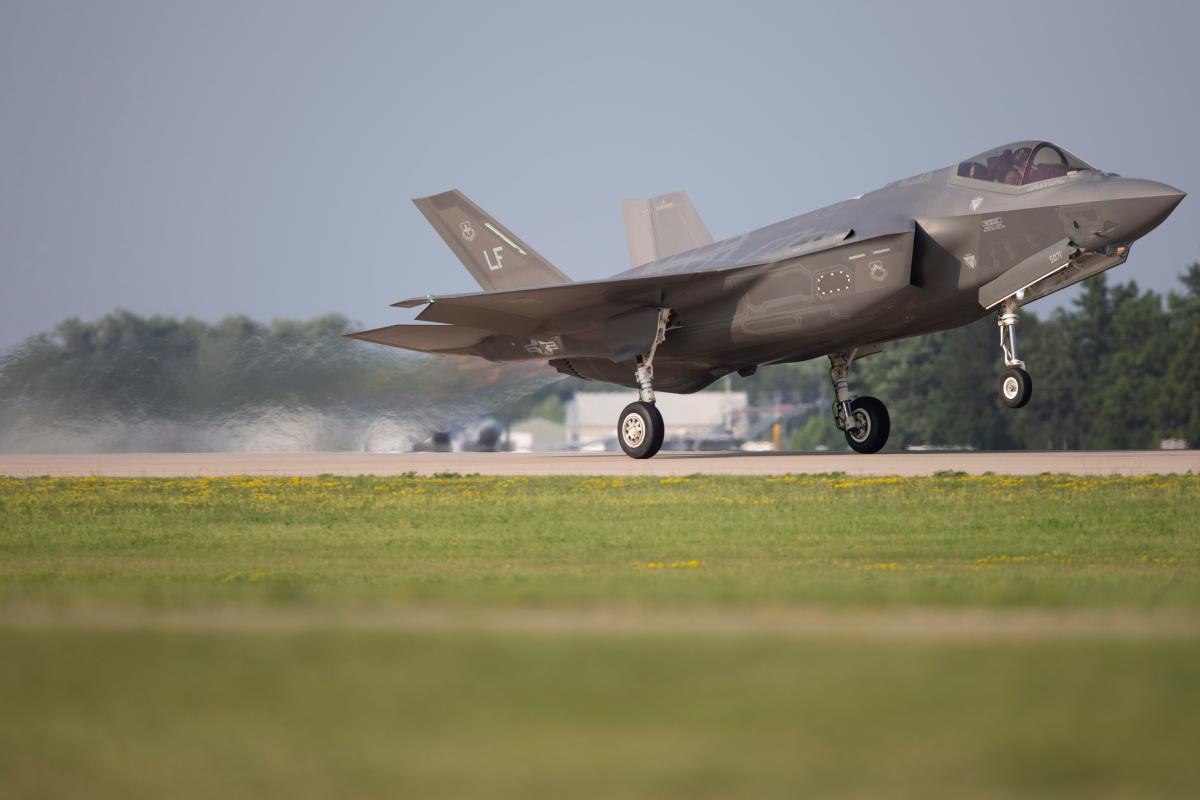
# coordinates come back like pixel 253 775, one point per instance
pixel 207 158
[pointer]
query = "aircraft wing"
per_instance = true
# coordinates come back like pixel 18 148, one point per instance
pixel 522 312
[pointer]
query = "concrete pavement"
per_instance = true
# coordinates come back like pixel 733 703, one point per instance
pixel 1133 462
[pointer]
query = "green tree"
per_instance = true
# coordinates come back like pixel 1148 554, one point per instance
pixel 1117 369
pixel 1178 396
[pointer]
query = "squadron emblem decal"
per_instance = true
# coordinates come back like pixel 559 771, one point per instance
pixel 976 203
pixel 878 271
pixel 544 347
pixel 969 260
pixel 468 232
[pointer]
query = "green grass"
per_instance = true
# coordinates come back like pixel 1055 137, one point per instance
pixel 331 714
pixel 199 638
pixel 630 543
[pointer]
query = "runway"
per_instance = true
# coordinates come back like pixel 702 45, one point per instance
pixel 1130 462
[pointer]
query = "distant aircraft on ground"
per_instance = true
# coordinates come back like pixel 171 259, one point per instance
pixel 931 252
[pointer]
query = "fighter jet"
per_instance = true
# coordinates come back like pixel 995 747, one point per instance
pixel 927 253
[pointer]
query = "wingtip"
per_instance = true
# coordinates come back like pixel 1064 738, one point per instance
pixel 413 302
pixel 418 201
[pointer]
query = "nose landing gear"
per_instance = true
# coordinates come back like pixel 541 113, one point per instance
pixel 1016 387
pixel 864 420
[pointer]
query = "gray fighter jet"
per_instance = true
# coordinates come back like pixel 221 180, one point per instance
pixel 927 253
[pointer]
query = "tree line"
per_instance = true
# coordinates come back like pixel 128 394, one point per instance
pixel 185 376
pixel 1119 368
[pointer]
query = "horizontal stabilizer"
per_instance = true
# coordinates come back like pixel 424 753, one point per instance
pixel 657 227
pixel 425 338
pixel 493 254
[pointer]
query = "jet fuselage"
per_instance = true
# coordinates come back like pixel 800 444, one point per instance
pixel 931 252
pixel 923 254
pixel 965 234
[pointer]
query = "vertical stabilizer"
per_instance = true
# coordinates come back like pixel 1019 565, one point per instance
pixel 494 255
pixel 657 227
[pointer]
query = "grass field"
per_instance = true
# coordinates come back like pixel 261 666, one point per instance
pixel 585 637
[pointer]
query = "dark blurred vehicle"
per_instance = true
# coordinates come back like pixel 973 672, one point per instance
pixel 438 443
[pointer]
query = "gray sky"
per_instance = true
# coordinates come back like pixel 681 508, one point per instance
pixel 252 157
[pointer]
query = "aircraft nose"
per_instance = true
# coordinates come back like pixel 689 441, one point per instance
pixel 1141 206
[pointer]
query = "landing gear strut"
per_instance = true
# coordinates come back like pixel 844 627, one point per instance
pixel 1016 387
pixel 640 427
pixel 864 420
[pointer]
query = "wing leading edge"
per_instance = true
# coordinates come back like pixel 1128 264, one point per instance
pixel 544 321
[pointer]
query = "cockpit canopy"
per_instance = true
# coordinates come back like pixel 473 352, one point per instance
pixel 1022 163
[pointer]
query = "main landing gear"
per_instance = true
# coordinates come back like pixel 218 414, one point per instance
pixel 640 428
pixel 1016 387
pixel 864 420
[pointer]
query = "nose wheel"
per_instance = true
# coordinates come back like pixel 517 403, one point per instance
pixel 1016 387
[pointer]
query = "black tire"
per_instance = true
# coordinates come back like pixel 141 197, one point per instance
pixel 640 430
pixel 872 435
pixel 1016 387
pixel 660 430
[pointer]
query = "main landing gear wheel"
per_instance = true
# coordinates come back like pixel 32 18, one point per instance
pixel 1016 387
pixel 864 421
pixel 640 430
pixel 640 427
pixel 872 426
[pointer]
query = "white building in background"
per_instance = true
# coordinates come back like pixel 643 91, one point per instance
pixel 592 416
pixel 535 434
